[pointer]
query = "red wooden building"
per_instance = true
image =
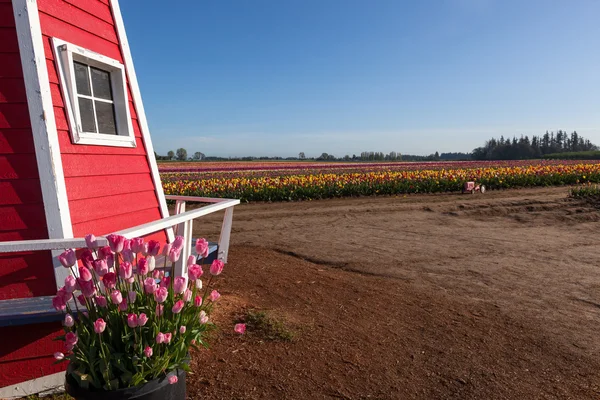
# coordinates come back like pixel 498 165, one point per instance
pixel 75 158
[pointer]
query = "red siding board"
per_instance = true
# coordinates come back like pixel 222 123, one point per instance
pixel 60 115
pixel 79 188
pixel 16 141
pixel 84 165
pixel 67 147
pixel 95 8
pixel 18 166
pixel 122 204
pixel 26 275
pixel 14 115
pixel 22 216
pixel 22 234
pixel 57 99
pixel 52 74
pixel 6 15
pixel 8 39
pixel 74 16
pixel 12 90
pixel 114 223
pixel 23 191
pixel 10 65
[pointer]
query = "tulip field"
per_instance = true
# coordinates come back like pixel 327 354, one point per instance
pixel 291 181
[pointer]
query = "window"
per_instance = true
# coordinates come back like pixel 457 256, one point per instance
pixel 95 93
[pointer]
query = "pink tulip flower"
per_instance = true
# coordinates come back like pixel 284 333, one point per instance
pixel 132 295
pixel 87 259
pixel 151 263
pixel 87 288
pixel 198 301
pixel 153 248
pixel 159 310
pixel 216 267
pixel 71 339
pixel 123 305
pixel 182 329
pixel 69 321
pixel 104 252
pixel 70 283
pixel 116 242
pixel 178 243
pixel 240 328
pixel 165 281
pixel 62 292
pixel 142 319
pixel 137 245
pixel 142 267
pixel 91 242
pixel 166 249
pixel 85 274
pixel 168 337
pixel 195 271
pixel 161 294
pixel 58 302
pixel 157 274
pixel 109 280
pixel 81 300
pixel 101 301
pixel 202 248
pixel 177 307
pixel 68 258
pixel 148 351
pixel 160 338
pixel 59 356
pixel 187 295
pixel 149 286
pixel 174 254
pixel 128 255
pixel 99 326
pixel 180 284
pixel 116 297
pixel 191 260
pixel 214 296
pixel 203 317
pixel 101 267
pixel 173 379
pixel 132 321
pixel 125 270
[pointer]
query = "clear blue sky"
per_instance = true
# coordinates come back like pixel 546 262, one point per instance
pixel 257 77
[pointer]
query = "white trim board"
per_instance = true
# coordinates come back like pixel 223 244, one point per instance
pixel 43 126
pixel 139 108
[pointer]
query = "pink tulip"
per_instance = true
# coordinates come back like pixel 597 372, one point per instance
pixel 81 300
pixel 116 297
pixel 142 267
pixel 240 328
pixel 68 258
pixel 203 317
pixel 180 284
pixel 132 295
pixel 151 263
pixel 87 259
pixel 149 286
pixel 85 274
pixel 70 283
pixel 198 284
pixel 159 310
pixel 99 326
pixel 105 252
pixel 71 338
pixel 125 270
pixel 173 379
pixel 101 301
pixel 58 302
pixel 132 321
pixel 214 296
pixel 216 267
pixel 153 248
pixel 187 295
pixel 168 337
pixel 202 248
pixel 177 307
pixel 109 280
pixel 62 292
pixel 161 294
pixel 165 282
pixel 101 267
pixel 166 249
pixel 142 319
pixel 91 242
pixel 174 254
pixel 182 329
pixel 198 301
pixel 148 351
pixel 69 321
pixel 158 274
pixel 127 255
pixel 178 243
pixel 123 305
pixel 160 338
pixel 137 245
pixel 59 356
pixel 191 260
pixel 195 271
pixel 87 288
pixel 116 242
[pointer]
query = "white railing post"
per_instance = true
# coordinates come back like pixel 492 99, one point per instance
pixel 225 234
pixel 179 209
pixel 181 264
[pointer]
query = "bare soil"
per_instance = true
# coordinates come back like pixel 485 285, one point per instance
pixel 493 296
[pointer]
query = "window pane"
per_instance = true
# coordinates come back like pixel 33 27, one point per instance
pixel 101 84
pixel 86 110
pixel 106 118
pixel 82 79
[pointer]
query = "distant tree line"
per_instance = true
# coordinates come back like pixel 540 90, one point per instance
pixel 536 147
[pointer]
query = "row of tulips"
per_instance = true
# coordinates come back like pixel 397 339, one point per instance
pixel 308 186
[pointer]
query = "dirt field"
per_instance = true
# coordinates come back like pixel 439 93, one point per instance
pixel 493 296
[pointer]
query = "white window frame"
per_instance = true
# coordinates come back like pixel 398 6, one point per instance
pixel 65 53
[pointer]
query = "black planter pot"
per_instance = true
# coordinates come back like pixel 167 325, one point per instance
pixel 158 389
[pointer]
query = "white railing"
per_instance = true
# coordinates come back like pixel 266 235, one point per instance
pixel 182 221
